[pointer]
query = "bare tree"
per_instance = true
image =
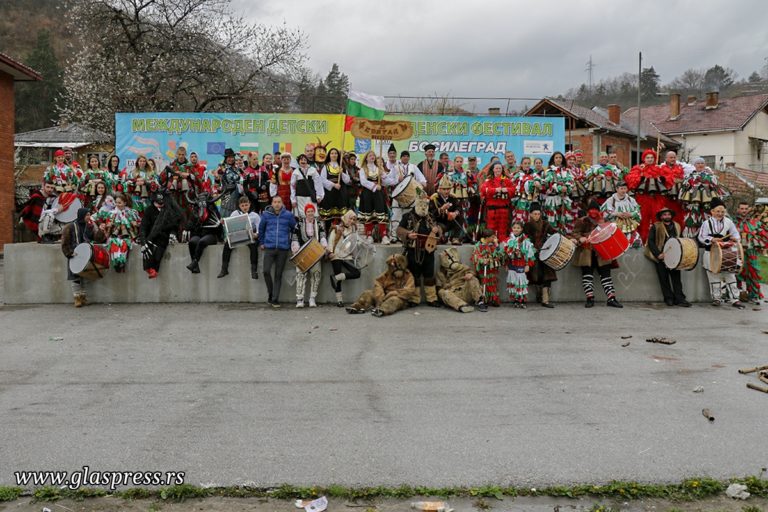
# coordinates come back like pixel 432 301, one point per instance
pixel 437 104
pixel 160 55
pixel 691 80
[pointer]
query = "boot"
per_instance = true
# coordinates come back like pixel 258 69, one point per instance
pixel 254 272
pixel 545 298
pixel 83 299
pixel 590 302
pixel 194 267
pixel 224 271
pixel 78 300
pixel 613 303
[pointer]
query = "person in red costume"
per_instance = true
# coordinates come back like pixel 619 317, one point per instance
pixel 674 174
pixel 648 183
pixel 497 192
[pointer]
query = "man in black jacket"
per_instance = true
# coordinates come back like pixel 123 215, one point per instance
pixel 669 279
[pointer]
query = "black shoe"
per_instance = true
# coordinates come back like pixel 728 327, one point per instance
pixel 613 303
pixel 194 267
pixel 224 272
pixel 482 307
pixel 352 310
pixel 340 304
pixel 683 304
pixel 254 273
pixel 547 305
pixel 669 302
pixel 377 312
pixel 191 266
pixel 590 302
pixel 275 304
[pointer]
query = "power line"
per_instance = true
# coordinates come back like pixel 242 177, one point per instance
pixel 590 67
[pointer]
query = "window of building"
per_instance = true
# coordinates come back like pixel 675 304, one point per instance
pixel 710 161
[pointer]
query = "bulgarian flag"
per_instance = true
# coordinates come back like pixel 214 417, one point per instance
pixel 367 106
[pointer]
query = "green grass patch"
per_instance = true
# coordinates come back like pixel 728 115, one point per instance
pixel 9 493
pixel 688 490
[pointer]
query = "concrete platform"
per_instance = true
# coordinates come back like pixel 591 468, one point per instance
pixel 36 274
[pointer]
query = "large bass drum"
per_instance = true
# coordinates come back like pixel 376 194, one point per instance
pixel 557 251
pixel 681 254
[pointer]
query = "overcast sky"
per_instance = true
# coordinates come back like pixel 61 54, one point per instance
pixel 514 48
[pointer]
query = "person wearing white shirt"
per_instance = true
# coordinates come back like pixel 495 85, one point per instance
pixel 721 230
pixel 244 205
pixel 373 198
pixel 336 182
pixel 306 186
pixel 398 171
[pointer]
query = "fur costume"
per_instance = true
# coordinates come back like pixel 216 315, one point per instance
pixel 421 262
pixel 486 258
pixel 454 290
pixel 392 291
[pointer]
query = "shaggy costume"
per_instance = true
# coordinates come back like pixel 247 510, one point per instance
pixel 649 185
pixel 528 185
pixel 497 193
pixel 615 205
pixel 696 192
pixel 454 289
pixel 393 290
pixel 421 260
pixel 754 240
pixel 558 207
pixel 486 258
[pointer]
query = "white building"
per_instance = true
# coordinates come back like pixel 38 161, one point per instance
pixel 731 132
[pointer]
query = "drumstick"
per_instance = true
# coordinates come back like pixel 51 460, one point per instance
pixel 752 370
pixel 756 387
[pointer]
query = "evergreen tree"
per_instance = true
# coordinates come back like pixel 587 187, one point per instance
pixel 649 83
pixel 36 101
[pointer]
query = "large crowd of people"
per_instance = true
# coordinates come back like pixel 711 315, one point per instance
pixel 533 217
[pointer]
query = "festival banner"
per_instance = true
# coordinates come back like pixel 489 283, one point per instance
pixel 482 136
pixel 157 135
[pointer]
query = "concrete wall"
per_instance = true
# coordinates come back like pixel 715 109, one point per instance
pixel 36 273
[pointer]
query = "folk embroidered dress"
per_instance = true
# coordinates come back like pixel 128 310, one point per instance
pixel 519 253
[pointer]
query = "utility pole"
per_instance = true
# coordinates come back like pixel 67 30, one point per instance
pixel 589 68
pixel 639 112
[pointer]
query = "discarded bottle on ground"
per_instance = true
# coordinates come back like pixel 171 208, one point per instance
pixel 430 506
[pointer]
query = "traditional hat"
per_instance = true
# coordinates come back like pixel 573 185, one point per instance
pixel 309 206
pixel 569 154
pixel 58 152
pixel 229 152
pixel 716 201
pixel 648 152
pixel 663 211
pixel 158 197
pixel 392 149
pixel 578 152
pixel 445 182
pixel 430 146
pixel 534 207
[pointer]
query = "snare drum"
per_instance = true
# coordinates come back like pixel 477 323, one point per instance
pixel 608 242
pixel 722 259
pixel 681 254
pixel 308 256
pixel 239 231
pixel 557 251
pixel 71 204
pixel 89 261
pixel 405 192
